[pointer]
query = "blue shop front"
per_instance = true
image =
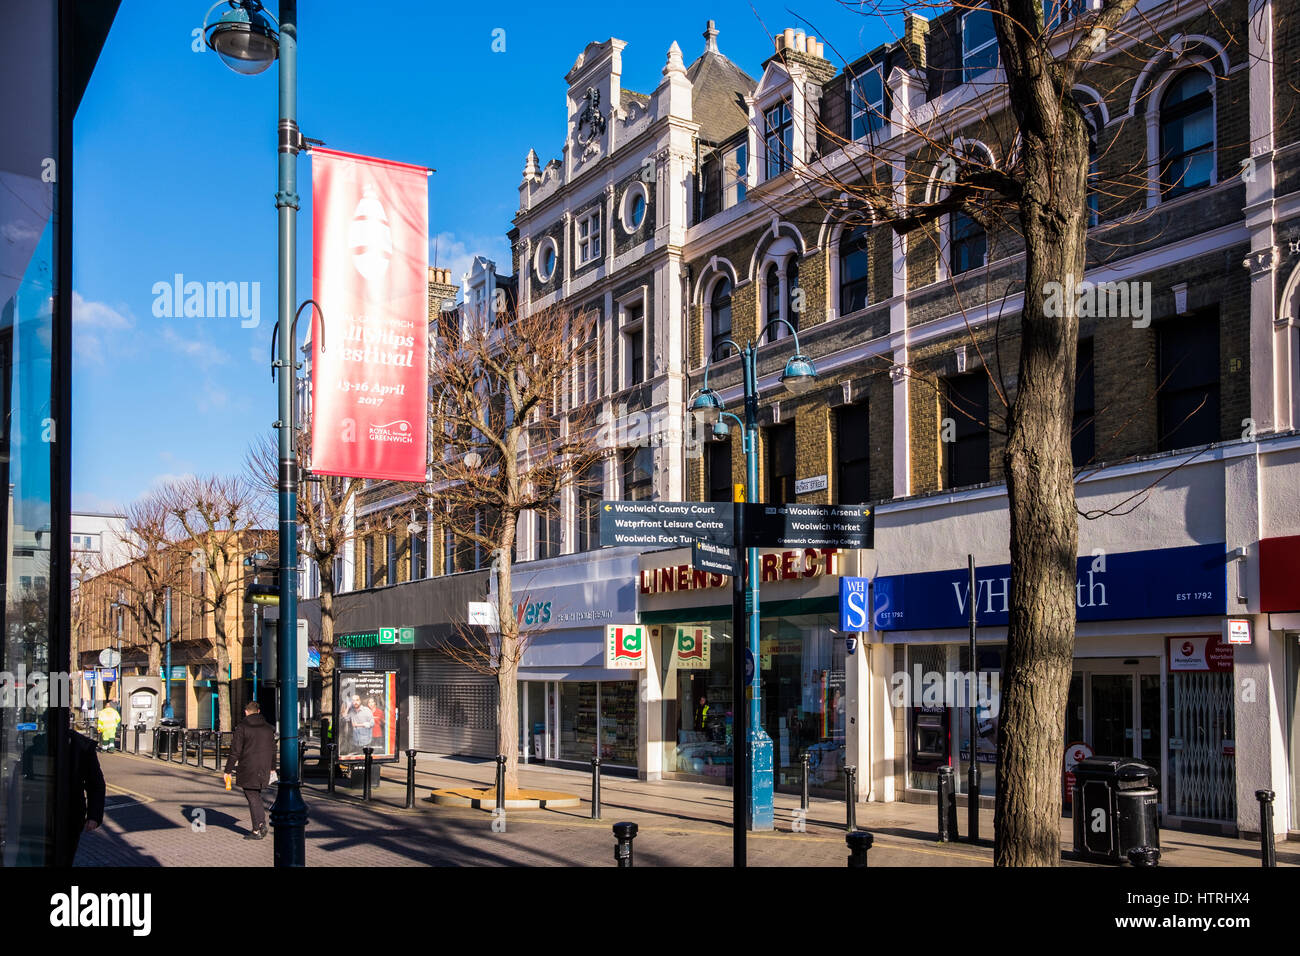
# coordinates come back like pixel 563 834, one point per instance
pixel 1152 678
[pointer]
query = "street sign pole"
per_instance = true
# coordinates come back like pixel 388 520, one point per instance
pixel 762 779
pixel 973 773
pixel 739 736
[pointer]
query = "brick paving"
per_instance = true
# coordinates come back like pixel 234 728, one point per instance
pixel 161 814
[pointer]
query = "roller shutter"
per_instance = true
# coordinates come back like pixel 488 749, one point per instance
pixel 455 707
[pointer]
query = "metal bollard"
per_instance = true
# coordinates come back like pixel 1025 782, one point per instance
pixel 803 797
pixel 329 755
pixel 501 782
pixel 1144 857
pixel 138 728
pixel 203 744
pixel 595 788
pixel 157 743
pixel 410 779
pixel 947 806
pixel 850 799
pixel 624 834
pixel 859 842
pixel 1267 851
pixel 365 786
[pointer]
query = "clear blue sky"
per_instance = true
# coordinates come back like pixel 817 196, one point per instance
pixel 176 173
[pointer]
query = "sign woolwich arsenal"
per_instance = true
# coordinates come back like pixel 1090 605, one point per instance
pixel 625 646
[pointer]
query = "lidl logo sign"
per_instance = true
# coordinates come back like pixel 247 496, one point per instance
pixel 693 648
pixel 624 646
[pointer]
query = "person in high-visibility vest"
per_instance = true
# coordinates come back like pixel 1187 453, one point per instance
pixel 107 722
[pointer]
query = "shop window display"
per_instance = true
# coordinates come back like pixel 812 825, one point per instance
pixel 803 704
pixel 698 711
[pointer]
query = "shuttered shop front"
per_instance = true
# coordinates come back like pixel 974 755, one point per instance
pixel 455 708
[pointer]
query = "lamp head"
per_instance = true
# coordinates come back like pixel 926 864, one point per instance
pixel 707 407
pixel 799 375
pixel 244 37
pixel 721 430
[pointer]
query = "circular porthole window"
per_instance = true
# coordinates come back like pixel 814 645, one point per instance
pixel 545 259
pixel 635 200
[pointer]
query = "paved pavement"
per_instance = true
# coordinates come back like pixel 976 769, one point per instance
pixel 161 814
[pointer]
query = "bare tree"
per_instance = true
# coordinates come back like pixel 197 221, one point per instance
pixel 216 519
pixel 505 440
pixel 325 529
pixel 154 566
pixel 1034 199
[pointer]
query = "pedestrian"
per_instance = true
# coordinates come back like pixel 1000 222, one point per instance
pixel 85 781
pixel 107 723
pixel 252 753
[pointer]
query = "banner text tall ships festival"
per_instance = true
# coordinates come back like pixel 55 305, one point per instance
pixel 370 269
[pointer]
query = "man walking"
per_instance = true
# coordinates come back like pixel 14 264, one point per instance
pixel 252 755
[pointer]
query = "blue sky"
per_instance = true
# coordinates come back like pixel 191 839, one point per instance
pixel 176 173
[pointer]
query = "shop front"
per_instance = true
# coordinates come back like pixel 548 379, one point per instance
pixel 576 701
pixel 1152 676
pixel 417 629
pixel 804 693
pixel 1279 587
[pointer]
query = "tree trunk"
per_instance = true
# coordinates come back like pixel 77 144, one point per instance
pixel 327 640
pixel 223 666
pixel 1040 489
pixel 508 660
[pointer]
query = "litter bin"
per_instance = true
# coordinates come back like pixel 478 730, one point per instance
pixel 1116 808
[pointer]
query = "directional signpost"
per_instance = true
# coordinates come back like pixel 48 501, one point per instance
pixel 666 524
pixel 720 558
pixel 809 526
pixel 670 524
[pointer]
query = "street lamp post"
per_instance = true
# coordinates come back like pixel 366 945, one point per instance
pixel 168 713
pixel 246 41
pixel 708 408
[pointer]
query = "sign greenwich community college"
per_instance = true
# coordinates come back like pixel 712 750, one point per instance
pixel 1169 582
pixel 370 271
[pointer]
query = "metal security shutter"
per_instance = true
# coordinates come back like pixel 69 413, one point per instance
pixel 455 707
pixel 371 660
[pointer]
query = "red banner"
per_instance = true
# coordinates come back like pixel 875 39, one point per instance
pixel 370 382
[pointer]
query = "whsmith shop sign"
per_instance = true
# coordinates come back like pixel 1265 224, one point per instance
pixel 1170 582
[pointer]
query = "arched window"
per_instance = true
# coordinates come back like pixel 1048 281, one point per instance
pixel 855 292
pixel 773 299
pixel 1186 134
pixel 794 298
pixel 720 312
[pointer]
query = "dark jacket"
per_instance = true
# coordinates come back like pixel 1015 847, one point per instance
pixel 252 753
pixel 87 781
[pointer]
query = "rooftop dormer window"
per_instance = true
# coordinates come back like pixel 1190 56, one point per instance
pixel 779 138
